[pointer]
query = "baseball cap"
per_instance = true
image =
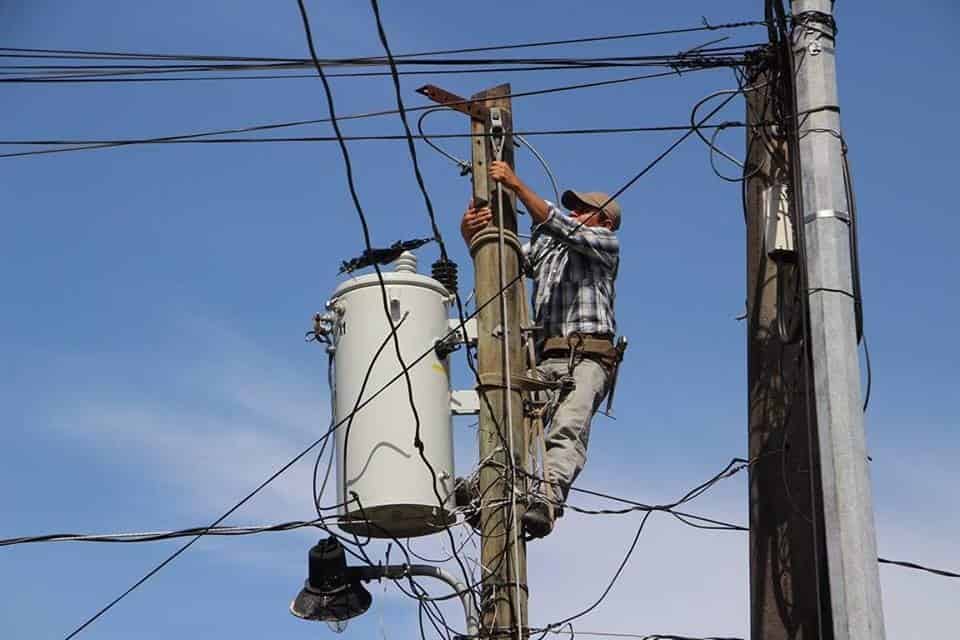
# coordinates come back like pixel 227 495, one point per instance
pixel 571 199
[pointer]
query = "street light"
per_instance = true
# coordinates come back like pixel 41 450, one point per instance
pixel 333 592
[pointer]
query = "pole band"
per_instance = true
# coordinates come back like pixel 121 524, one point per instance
pixel 842 216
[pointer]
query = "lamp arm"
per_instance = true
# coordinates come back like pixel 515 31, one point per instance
pixel 400 571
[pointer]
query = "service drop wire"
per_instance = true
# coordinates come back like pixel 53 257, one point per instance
pixel 319 491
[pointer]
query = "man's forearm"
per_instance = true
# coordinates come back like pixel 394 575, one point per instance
pixel 503 173
pixel 536 206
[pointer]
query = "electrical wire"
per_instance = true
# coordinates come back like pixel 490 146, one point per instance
pixel 405 368
pixel 362 138
pixel 402 112
pixel 170 558
pixel 702 54
pixel 610 584
pixel 358 116
pixel 543 163
pixel 785 104
pixel 650 165
pixel 74 79
pixel 463 165
pixel 363 386
pixel 698 57
pixel 331 384
pixel 84 54
pixel 919 567
pixel 155 536
pixel 272 477
pixel 507 373
pixel 654 636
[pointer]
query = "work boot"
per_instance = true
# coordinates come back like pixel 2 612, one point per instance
pixel 538 519
pixel 466 496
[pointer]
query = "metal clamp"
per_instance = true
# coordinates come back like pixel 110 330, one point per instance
pixel 497 137
pixel 842 216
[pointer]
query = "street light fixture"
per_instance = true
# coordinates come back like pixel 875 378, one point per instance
pixel 333 592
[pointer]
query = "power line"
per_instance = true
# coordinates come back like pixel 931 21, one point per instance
pixel 363 138
pixel 920 567
pixel 370 114
pixel 697 56
pixel 143 77
pixel 155 536
pixel 79 53
pixel 573 633
pixel 103 79
pixel 405 368
pixel 193 540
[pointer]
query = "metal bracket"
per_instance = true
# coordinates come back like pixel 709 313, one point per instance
pixel 778 235
pixel 471 108
pixel 464 402
pixel 467 334
pixel 530 329
pixel 842 216
pixel 497 137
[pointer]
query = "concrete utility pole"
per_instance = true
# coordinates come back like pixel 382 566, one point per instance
pixel 503 552
pixel 853 573
pixel 786 602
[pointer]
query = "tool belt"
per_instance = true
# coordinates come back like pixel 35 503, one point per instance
pixel 592 347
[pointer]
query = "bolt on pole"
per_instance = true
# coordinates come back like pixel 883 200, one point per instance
pixel 852 569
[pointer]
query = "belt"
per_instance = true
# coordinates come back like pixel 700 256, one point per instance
pixel 594 346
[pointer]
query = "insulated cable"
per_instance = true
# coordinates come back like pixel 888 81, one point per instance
pixel 543 163
pixel 411 147
pixel 497 143
pixel 82 54
pixel 360 138
pixel 358 116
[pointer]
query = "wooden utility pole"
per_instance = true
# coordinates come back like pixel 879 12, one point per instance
pixel 503 552
pixel 787 599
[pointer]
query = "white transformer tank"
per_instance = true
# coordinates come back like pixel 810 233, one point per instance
pixel 385 487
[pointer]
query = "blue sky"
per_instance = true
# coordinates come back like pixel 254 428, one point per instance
pixel 155 299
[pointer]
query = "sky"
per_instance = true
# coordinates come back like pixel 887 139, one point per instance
pixel 155 299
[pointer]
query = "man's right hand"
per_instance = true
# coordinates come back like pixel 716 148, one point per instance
pixel 473 221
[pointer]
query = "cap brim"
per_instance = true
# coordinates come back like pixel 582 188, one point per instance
pixel 570 199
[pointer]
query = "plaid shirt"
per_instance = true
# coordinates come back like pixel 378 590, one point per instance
pixel 574 267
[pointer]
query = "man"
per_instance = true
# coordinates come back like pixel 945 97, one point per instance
pixel 574 261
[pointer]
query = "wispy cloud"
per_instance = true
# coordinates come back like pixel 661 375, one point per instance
pixel 216 423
